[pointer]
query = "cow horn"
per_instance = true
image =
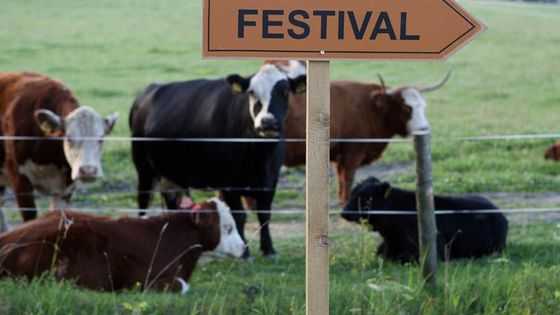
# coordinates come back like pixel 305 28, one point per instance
pixel 437 85
pixel 382 82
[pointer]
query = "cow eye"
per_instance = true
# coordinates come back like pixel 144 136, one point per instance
pixel 252 93
pixel 228 228
pixel 258 107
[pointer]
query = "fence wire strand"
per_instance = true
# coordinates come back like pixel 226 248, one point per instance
pixel 395 212
pixel 276 140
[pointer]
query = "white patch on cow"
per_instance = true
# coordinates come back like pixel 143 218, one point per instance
pixel 261 85
pixel 84 155
pixel 185 287
pixel 231 243
pixel 47 179
pixel 294 68
pixel 416 102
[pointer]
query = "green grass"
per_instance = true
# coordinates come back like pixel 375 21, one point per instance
pixel 506 81
pixel 525 279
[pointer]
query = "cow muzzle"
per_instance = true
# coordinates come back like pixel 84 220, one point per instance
pixel 268 127
pixel 88 173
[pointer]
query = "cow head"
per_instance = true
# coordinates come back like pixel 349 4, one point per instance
pixel 267 92
pixel 404 108
pixel 83 131
pixel 231 243
pixel 553 152
pixel 369 195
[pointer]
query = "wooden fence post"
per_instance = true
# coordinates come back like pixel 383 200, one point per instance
pixel 427 229
pixel 317 188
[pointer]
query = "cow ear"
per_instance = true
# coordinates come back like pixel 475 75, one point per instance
pixel 299 84
pixel 185 203
pixel 110 122
pixel 50 123
pixel 381 100
pixel 238 84
pixel 203 214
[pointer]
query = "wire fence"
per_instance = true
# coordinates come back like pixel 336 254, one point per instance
pixel 277 140
pixel 396 212
pixel 297 188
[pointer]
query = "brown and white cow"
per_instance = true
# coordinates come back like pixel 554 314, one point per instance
pixel 358 110
pixel 553 152
pixel 34 105
pixel 108 254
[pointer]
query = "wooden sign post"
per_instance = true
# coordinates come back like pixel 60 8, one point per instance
pixel 322 30
pixel 317 188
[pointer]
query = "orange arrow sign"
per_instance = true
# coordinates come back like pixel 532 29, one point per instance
pixel 336 29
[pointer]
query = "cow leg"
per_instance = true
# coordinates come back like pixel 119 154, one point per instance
pixel 4 225
pixel 233 200
pixel 145 186
pixel 249 203
pixel 171 193
pixel 146 176
pixel 380 249
pixel 264 204
pixel 24 196
pixel 345 173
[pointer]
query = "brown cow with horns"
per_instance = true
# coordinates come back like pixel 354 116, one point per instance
pixel 358 110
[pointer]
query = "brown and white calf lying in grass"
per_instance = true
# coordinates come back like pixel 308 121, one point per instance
pixel 103 253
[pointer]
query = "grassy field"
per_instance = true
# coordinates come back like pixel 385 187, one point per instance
pixel 507 81
pixel 523 280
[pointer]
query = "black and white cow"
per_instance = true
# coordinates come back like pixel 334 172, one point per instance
pixel 463 235
pixel 235 107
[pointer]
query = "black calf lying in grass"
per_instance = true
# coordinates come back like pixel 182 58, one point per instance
pixel 464 235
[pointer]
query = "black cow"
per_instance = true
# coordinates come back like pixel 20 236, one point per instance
pixel 235 107
pixel 463 235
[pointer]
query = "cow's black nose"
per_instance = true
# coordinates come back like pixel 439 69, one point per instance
pixel 269 123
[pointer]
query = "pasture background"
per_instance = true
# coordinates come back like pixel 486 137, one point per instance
pixel 507 81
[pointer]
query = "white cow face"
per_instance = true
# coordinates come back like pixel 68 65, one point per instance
pixel 414 100
pixel 268 92
pixel 403 110
pixel 83 155
pixel 231 243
